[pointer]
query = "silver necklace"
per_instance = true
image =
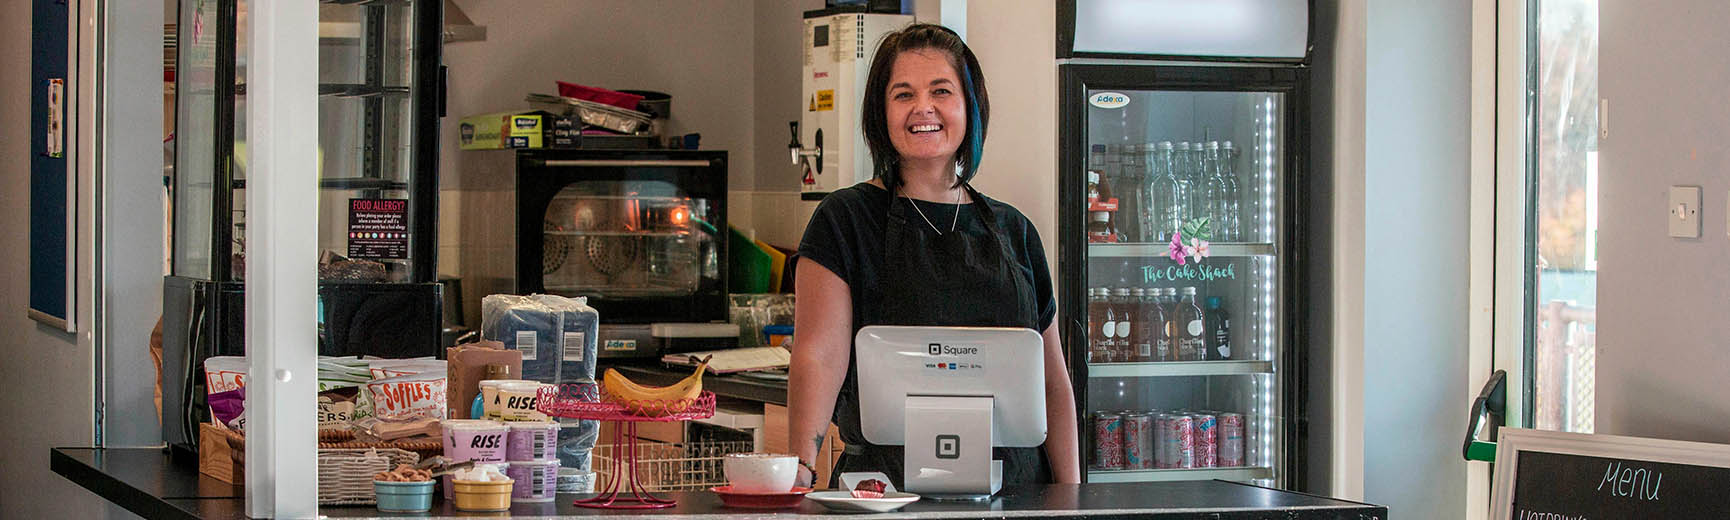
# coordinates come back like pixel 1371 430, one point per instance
pixel 952 220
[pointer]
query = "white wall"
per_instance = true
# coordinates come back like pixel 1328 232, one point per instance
pixel 47 372
pixel 699 52
pixel 1416 127
pixel 1661 306
pixel 1016 44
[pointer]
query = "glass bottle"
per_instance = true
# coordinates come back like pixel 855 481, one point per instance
pixel 1232 196
pixel 1132 189
pixel 1166 212
pixel 1095 326
pixel 1219 330
pixel 1122 349
pixel 1149 323
pixel 1191 329
pixel 1166 346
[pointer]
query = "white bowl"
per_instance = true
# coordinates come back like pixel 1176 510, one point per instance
pixel 760 472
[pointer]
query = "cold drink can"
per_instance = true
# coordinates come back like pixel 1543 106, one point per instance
pixel 1206 440
pixel 1138 430
pixel 1178 439
pixel 1231 428
pixel 1108 440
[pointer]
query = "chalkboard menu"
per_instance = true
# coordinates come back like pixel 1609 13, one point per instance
pixel 1574 476
pixel 1559 486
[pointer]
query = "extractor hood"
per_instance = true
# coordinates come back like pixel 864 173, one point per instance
pixel 458 26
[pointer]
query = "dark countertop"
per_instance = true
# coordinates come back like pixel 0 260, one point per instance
pixel 731 385
pixel 145 482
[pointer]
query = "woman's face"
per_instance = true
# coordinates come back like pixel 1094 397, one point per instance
pixel 927 115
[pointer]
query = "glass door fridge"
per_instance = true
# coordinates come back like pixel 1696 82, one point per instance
pixel 1178 229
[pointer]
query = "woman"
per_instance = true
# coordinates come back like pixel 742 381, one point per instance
pixel 917 245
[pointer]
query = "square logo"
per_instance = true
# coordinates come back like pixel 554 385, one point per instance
pixel 948 446
pixel 934 349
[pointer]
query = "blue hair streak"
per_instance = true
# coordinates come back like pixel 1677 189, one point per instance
pixel 975 124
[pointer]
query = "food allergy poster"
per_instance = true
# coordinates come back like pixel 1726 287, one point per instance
pixel 1568 476
pixel 378 228
pixel 52 183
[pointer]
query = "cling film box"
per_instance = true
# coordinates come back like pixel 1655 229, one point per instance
pixel 519 129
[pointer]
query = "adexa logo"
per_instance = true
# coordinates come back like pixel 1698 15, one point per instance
pixel 1109 100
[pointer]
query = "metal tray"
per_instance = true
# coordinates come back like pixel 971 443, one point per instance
pixel 596 114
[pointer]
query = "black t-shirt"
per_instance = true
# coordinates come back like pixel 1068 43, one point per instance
pixel 846 235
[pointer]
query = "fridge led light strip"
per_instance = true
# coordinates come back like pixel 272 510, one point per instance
pixel 1267 276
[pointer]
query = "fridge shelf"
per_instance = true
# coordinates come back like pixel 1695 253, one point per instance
pixel 1159 475
pixel 1146 249
pixel 1179 368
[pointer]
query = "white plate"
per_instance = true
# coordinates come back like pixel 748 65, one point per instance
pixel 844 501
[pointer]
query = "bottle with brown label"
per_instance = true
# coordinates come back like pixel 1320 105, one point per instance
pixel 1099 333
pixel 1165 345
pixel 1149 323
pixel 1191 329
pixel 1124 347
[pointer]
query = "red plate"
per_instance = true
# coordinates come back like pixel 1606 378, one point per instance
pixel 760 500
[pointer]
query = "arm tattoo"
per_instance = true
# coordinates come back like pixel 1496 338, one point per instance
pixel 817 442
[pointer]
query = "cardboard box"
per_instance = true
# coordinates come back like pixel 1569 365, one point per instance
pixel 466 364
pixel 518 129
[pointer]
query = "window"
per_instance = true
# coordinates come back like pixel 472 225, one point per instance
pixel 1561 236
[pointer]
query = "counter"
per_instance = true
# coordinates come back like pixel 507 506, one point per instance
pixel 147 483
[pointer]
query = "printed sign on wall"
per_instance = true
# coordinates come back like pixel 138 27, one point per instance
pixel 378 228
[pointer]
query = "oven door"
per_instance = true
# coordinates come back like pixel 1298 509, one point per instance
pixel 640 233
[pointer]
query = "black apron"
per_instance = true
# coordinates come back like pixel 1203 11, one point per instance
pixel 953 279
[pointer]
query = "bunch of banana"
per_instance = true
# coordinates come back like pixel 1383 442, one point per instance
pixel 653 401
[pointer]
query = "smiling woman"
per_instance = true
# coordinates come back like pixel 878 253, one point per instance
pixel 880 253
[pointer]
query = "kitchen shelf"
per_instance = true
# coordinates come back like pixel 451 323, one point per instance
pixel 1179 368
pixel 1146 250
pixel 1159 475
pixel 616 233
pixel 359 90
pixel 342 183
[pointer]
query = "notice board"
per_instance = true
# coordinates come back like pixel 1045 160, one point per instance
pixel 52 179
pixel 1567 476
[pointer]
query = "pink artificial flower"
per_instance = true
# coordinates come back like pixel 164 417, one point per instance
pixel 1198 250
pixel 1178 250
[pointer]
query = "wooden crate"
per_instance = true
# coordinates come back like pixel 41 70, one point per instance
pixel 217 458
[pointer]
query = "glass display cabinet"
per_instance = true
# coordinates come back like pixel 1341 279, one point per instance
pixel 378 105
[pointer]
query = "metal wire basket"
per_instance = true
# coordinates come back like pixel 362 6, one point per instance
pixel 670 467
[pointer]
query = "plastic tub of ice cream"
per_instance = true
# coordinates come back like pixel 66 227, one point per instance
pixel 490 404
pixel 532 440
pixel 518 401
pixel 536 480
pixel 478 440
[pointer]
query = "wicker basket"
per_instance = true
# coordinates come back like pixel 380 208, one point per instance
pixel 345 475
pixel 345 466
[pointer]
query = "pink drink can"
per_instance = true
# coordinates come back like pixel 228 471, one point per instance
pixel 1206 441
pixel 1108 440
pixel 1231 440
pixel 1180 441
pixel 1138 430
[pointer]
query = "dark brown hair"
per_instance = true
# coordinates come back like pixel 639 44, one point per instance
pixel 921 36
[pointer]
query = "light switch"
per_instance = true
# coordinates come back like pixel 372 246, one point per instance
pixel 1684 211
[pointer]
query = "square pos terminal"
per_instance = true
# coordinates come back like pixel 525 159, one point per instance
pixel 949 395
